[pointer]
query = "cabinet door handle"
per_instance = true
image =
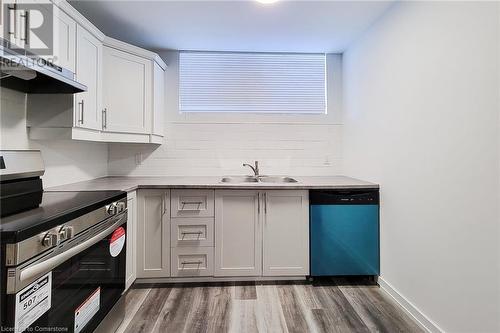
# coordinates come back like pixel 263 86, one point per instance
pixel 12 22
pixel 164 205
pixel 82 105
pixel 258 203
pixel 105 118
pixel 26 17
pixel 265 203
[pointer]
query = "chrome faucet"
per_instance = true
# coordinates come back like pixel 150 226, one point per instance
pixel 255 168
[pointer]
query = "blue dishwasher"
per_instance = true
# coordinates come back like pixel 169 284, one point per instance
pixel 344 232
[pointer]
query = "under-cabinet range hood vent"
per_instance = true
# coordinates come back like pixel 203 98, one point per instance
pixel 31 74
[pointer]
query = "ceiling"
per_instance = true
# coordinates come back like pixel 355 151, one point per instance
pixel 284 26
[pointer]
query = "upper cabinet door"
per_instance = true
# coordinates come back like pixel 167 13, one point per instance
pixel 127 92
pixel 64 40
pixel 286 233
pixel 238 233
pixel 88 71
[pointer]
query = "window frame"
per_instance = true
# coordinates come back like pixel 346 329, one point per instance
pixel 265 114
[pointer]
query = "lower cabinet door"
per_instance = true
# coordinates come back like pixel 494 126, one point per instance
pixel 131 239
pixel 286 233
pixel 238 233
pixel 192 261
pixel 153 233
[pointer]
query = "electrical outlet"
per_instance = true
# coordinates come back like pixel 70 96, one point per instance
pixel 138 159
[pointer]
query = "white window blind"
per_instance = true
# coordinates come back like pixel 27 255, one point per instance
pixel 252 82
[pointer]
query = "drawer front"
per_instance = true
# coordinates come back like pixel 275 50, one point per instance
pixel 192 231
pixel 192 203
pixel 192 261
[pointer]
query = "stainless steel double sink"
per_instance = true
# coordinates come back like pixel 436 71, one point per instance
pixel 258 179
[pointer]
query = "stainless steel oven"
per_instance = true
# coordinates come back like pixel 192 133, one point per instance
pixel 68 278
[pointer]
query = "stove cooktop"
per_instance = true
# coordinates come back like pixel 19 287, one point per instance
pixel 55 209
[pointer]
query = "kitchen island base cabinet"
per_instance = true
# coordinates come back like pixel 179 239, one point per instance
pixel 153 233
pixel 285 233
pixel 238 233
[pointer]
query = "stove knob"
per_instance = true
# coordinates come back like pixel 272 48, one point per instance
pixel 111 208
pixel 121 206
pixel 50 239
pixel 65 233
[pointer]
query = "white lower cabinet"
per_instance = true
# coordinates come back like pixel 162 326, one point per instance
pixel 131 239
pixel 285 233
pixel 252 233
pixel 153 233
pixel 238 233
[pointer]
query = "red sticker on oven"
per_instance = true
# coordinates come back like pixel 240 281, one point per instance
pixel 117 242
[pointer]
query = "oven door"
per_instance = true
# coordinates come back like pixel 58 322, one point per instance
pixel 74 287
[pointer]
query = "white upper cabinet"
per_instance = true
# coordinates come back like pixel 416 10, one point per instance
pixel 64 40
pixel 286 233
pixel 238 231
pixel 127 92
pixel 87 106
pixel 133 91
pixel 124 101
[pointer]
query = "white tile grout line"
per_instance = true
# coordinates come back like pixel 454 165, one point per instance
pixel 421 319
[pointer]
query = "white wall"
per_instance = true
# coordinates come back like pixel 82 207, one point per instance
pixel 65 161
pixel 421 112
pixel 217 144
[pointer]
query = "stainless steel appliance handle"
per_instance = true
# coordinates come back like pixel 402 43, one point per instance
pixel 51 263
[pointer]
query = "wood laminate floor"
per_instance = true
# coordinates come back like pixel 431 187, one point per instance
pixel 337 306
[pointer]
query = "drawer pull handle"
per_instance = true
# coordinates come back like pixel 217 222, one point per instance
pixel 198 203
pixel 199 262
pixel 191 233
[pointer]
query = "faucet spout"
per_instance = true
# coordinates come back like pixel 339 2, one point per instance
pixel 255 168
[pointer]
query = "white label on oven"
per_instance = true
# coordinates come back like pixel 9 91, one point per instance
pixel 117 241
pixel 32 302
pixel 87 310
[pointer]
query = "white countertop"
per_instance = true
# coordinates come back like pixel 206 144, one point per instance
pixel 123 183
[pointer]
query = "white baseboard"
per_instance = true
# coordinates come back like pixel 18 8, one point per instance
pixel 411 309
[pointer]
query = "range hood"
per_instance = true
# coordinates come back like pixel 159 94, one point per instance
pixel 34 75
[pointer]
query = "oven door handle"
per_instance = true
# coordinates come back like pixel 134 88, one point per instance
pixel 51 263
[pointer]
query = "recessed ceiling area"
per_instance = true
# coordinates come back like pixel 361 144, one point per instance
pixel 283 26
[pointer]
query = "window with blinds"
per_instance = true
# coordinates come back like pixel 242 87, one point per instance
pixel 252 82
